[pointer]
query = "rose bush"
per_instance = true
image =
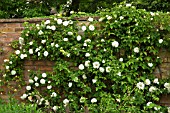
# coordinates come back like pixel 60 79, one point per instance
pixel 105 66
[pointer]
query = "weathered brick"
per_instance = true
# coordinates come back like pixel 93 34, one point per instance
pixel 13 25
pixel 44 68
pixel 40 63
pixel 19 29
pixel 28 63
pixel 165 99
pixel 7 29
pixel 13 35
pixel 2 25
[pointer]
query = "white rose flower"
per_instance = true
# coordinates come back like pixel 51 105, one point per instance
pixel 82 99
pixel 36 84
pixel 35 78
pixel 167 85
pixel 39 53
pixel 93 100
pixel 22 56
pixel 70 33
pixel 54 94
pixel 70 84
pixel 13 72
pixel 42 81
pixel 94 81
pixel 83 28
pixel 119 74
pixel 48 27
pixel 65 101
pixel 121 17
pixel 149 103
pixel 44 75
pixel 156 81
pixel 84 76
pixel 101 69
pixel 28 88
pixel 37 49
pixel 103 61
pixel 85 44
pixel 160 41
pixel 115 44
pixel 87 54
pixel 70 22
pixel 147 82
pixel 24 96
pixel 87 63
pixel 81 66
pixel 30 51
pixel 65 23
pixel 47 22
pixel 109 17
pixel 10 62
pixel 43 41
pixel 31 43
pixel 31 81
pixel 21 40
pixel 121 59
pixel 136 50
pixel 45 53
pixel 78 38
pixel 56 45
pixel 47 102
pixel 108 69
pixel 59 21
pixel 96 65
pixel 102 40
pixel 53 28
pixel 90 19
pixel 101 19
pixel 152 89
pixel 87 40
pixel 71 12
pixel 128 5
pixel 140 85
pixel 52 44
pixel 6 60
pixel 150 64
pixel 55 108
pixel 17 52
pixel 49 82
pixel 40 32
pixel 91 28
pixel 75 79
pixel 49 87
pixel 65 39
pixel 7 67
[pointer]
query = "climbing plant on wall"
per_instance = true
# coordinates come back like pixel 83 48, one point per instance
pixel 105 64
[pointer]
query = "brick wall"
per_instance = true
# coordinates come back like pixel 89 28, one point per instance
pixel 10 30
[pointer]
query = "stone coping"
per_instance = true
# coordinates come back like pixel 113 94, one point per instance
pixel 33 20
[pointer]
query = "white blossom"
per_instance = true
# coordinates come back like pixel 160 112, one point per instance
pixel 119 74
pixel 121 59
pixel 147 82
pixel 152 89
pixel 53 28
pixel 7 67
pixel 108 69
pixel 87 54
pixel 160 41
pixel 156 81
pixel 44 75
pixel 56 45
pixel 30 51
pixel 40 32
pixel 71 12
pixel 65 39
pixel 24 96
pixel 102 40
pixel 94 81
pixel 81 66
pixel 149 103
pixel 54 94
pixel 78 38
pixel 121 17
pixel 45 53
pixel 21 40
pixel 84 76
pixel 101 19
pixel 87 63
pixel 93 100
pixel 47 22
pixel 83 28
pixel 47 102
pixel 82 99
pixel 70 33
pixel 70 84
pixel 49 87
pixel 109 17
pixel 65 101
pixel 52 44
pixel 59 21
pixel 42 81
pixel 22 56
pixel 103 61
pixel 31 81
pixel 140 85
pixel 31 43
pixel 115 44
pixel 167 85
pixel 128 5
pixel 35 78
pixel 90 19
pixel 150 64
pixel 101 69
pixel 136 50
pixel 91 28
pixel 85 44
pixel 36 84
pixel 13 72
pixel 55 108
pixel 43 41
pixel 65 23
pixel 28 88
pixel 17 52
pixel 96 65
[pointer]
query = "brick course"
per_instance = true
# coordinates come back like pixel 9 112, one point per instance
pixel 10 30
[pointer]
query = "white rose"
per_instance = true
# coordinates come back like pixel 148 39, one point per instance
pixel 115 44
pixel 87 54
pixel 109 17
pixel 21 40
pixel 43 41
pixel 101 69
pixel 17 52
pixel 121 17
pixel 49 87
pixel 96 65
pixel 13 72
pixel 94 81
pixel 7 67
pixel 31 81
pixel 65 23
pixel 93 100
pixel 65 39
pixel 52 44
pixel 45 53
pixel 136 50
pixel 128 5
pixel 30 51
pixel 78 38
pixel 148 104
pixel 84 76
pixel 147 82
pixel 81 66
pixel 24 96
pixel 85 44
pixel 167 85
pixel 103 61
pixel 150 64
pixel 87 63
pixel 90 19
pixel 35 78
pixel 47 22
pixel 83 28
pixel 56 45
pixel 30 43
pixel 40 32
pixel 54 108
pixel 53 28
pixel 42 81
pixel 91 28
pixel 82 99
pixel 36 84
pixel 28 88
pixel 140 85
pixel 70 33
pixel 59 21
pixel 48 27
pixel 71 12
pixel 152 89
pixel 101 19
pixel 102 40
pixel 119 74
pixel 54 94
pixel 121 59
pixel 65 101
pixel 156 81
pixel 108 69
pixel 44 75
pixel 70 84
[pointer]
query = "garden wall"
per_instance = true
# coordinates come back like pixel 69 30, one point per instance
pixel 10 30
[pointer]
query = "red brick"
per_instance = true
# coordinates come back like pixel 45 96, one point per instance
pixel 13 35
pixel 13 25
pixel 28 63
pixel 44 68
pixel 39 63
pixel 19 29
pixel 3 25
pixel 49 63
pixel 7 29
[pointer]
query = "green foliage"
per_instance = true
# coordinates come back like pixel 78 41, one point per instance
pixel 106 64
